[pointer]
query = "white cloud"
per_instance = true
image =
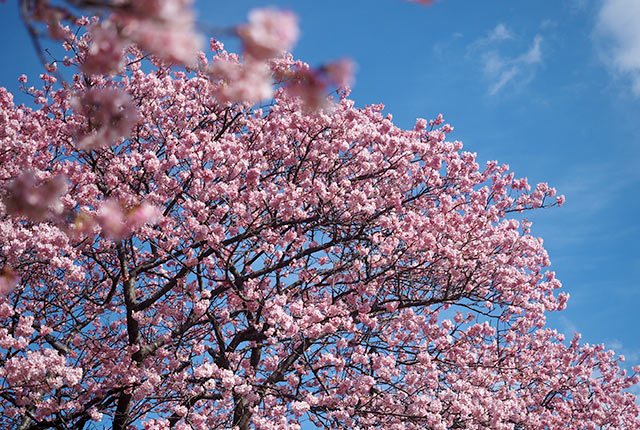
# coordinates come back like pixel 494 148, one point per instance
pixel 578 5
pixel 500 32
pixel 567 327
pixel 618 31
pixel 502 70
pixel 505 76
pixel 497 34
pixel 534 55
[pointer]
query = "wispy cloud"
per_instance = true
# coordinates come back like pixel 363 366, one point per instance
pixel 500 32
pixel 578 5
pixel 618 33
pixel 503 70
pixel 567 326
pixel 496 35
pixel 593 187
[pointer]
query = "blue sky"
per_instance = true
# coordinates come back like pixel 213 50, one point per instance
pixel 552 88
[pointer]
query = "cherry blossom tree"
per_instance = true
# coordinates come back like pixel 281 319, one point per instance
pixel 220 245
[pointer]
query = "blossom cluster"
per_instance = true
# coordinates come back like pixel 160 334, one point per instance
pixel 259 268
pixel 166 30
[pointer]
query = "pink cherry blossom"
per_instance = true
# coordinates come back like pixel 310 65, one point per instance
pixel 175 256
pixel 117 222
pixel 110 114
pixel 311 86
pixel 269 33
pixel 173 40
pixel 104 54
pixel 111 219
pixel 241 82
pixel 341 72
pixel 28 197
pixel 8 280
pixel 164 28
pixel 310 89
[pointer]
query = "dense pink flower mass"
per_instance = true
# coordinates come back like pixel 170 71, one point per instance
pixel 174 257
